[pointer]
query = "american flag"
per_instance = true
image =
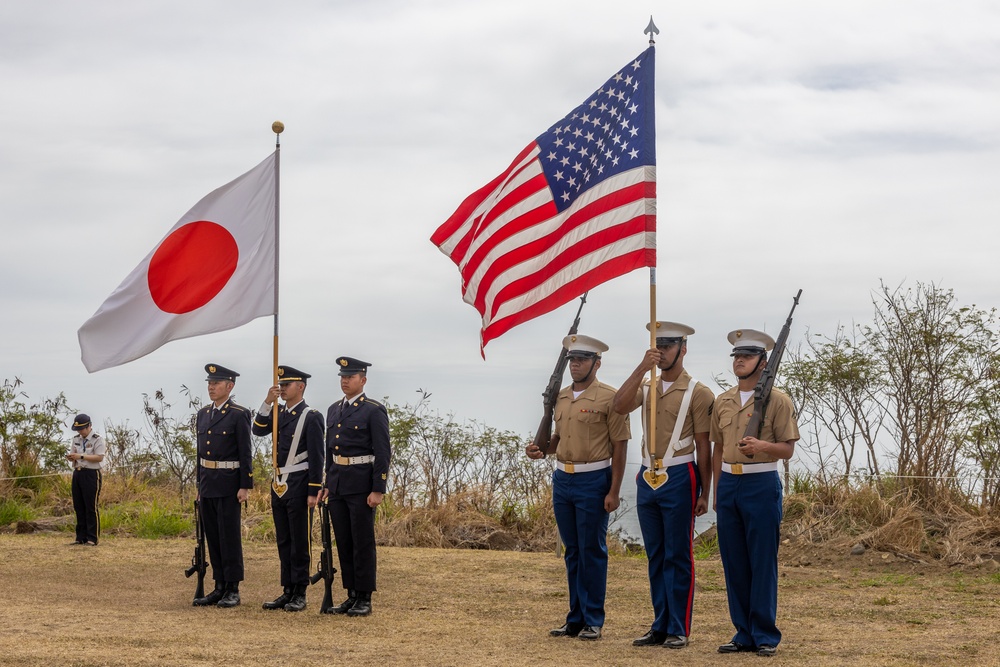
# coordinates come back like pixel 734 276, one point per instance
pixel 576 208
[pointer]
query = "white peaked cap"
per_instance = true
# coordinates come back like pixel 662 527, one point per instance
pixel 583 345
pixel 672 330
pixel 750 339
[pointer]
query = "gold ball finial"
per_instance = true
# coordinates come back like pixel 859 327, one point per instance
pixel 278 127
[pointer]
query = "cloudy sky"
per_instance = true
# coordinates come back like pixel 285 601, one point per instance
pixel 825 146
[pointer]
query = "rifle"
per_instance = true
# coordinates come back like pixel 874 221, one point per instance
pixel 762 392
pixel 198 564
pixel 543 436
pixel 326 570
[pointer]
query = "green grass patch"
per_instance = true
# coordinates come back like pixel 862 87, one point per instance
pixel 887 580
pixel 704 549
pixel 12 511
pixel 884 601
pixel 144 520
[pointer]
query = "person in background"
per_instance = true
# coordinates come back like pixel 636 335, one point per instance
pixel 87 456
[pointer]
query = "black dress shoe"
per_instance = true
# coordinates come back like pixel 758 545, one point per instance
pixel 342 608
pixel 231 598
pixel 362 607
pixel 296 603
pixel 210 599
pixel 280 601
pixel 567 630
pixel 651 638
pixel 767 650
pixel 734 647
pixel 675 641
pixel 590 632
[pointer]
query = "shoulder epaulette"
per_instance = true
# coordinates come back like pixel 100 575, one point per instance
pixel 234 406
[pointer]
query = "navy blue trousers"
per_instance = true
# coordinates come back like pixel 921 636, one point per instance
pixel 578 503
pixel 220 519
pixel 86 487
pixel 291 532
pixel 666 520
pixel 749 518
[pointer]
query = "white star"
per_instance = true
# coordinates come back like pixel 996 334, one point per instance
pixel 577 133
pixel 571 182
pixel 617 77
pixel 558 142
pixel 592 103
pixel 600 170
pixel 617 138
pixel 611 92
pixel 558 175
pixel 585 118
pixel 633 108
pixel 620 95
pixel 624 123
pixel 615 162
pixel 577 167
pixel 595 122
pixel 606 127
pixel 634 153
pixel 590 136
pixel 636 65
pixel 624 146
pixel 603 107
pixel 634 131
pixel 613 112
pixel 564 162
pixel 571 146
pixel 628 80
pixel 552 156
pixel 557 131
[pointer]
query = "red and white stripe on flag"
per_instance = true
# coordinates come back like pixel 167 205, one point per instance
pixel 214 270
pixel 576 208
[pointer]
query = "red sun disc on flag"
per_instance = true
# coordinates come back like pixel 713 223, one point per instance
pixel 191 266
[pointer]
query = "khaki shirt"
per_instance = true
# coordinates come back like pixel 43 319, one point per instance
pixel 729 423
pixel 587 425
pixel 698 419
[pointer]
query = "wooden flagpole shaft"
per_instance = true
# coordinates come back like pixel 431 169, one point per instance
pixel 277 127
pixel 653 386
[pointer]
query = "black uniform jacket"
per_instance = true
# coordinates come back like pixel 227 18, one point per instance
pixel 224 438
pixel 304 482
pixel 360 429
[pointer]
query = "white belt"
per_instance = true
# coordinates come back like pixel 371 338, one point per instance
pixel 226 465
pixel 295 468
pixel 572 468
pixel 353 460
pixel 749 468
pixel 667 463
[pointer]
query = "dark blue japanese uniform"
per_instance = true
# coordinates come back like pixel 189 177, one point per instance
pixel 358 430
pixel 224 467
pixel 290 510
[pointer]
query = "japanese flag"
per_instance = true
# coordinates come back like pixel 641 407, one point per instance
pixel 215 270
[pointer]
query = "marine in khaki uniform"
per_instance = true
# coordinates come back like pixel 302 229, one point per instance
pixel 748 495
pixel 589 442
pixel 671 490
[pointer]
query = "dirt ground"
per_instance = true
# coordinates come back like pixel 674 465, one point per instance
pixel 127 602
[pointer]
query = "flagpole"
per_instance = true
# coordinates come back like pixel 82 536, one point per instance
pixel 654 384
pixel 277 127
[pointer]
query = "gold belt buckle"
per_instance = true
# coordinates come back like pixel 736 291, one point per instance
pixel 568 467
pixel 736 468
pixel 343 460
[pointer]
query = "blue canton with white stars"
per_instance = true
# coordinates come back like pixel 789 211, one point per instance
pixel 611 132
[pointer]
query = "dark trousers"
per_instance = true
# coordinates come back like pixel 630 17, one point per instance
pixel 291 531
pixel 221 520
pixel 666 520
pixel 749 511
pixel 354 529
pixel 86 494
pixel 578 503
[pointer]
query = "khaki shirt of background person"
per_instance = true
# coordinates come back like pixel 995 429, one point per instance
pixel 587 426
pixel 729 423
pixel 669 404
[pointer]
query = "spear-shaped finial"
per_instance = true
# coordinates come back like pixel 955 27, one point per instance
pixel 651 30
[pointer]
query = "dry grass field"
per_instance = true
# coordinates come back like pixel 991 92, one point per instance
pixel 127 602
